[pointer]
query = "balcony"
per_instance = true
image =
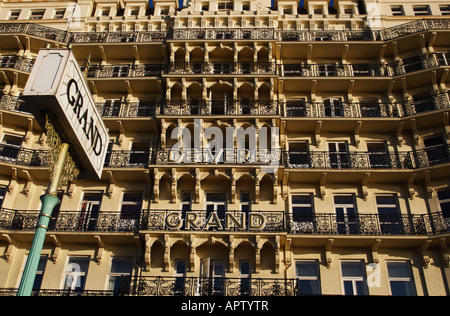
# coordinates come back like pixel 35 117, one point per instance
pixel 419 62
pixel 16 62
pixel 221 68
pixel 128 158
pixel 314 223
pixel 367 160
pixel 117 37
pixel 125 71
pixel 332 70
pixel 248 157
pixel 221 107
pixel 117 108
pixel 22 156
pixel 183 286
pixel 224 34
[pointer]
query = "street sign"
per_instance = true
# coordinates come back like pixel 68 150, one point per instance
pixel 56 88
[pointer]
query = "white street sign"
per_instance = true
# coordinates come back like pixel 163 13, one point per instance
pixel 56 88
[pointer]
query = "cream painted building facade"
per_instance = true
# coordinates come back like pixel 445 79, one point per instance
pixel 257 148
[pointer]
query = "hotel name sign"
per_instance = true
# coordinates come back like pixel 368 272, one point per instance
pixel 56 88
pixel 192 220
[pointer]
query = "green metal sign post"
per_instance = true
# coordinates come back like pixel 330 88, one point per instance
pixel 49 201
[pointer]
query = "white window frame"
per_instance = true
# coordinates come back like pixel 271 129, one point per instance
pixel 401 279
pixel 117 274
pixel 75 274
pixel 353 279
pixel 310 277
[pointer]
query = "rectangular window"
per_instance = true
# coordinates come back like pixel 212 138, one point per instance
pixel 339 155
pixel 302 213
pixel 299 156
pixel 437 150
pixel 76 273
pixel 40 272
pixel 378 155
pixel 180 277
pixel 14 15
pixel 400 278
pixel 444 202
pixel 421 10
pixel 389 215
pixel 37 14
pixel 2 195
pixel 90 209
pixel 186 200
pixel 225 5
pixel 445 9
pixel 246 203
pixel 244 275
pixel 59 13
pixel 130 211
pixel 353 278
pixel 119 274
pixel 333 107
pixel 397 10
pixel 10 147
pixel 346 218
pixel 307 273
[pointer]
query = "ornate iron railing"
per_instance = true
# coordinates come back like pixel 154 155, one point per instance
pixel 23 156
pixel 129 109
pixel 125 71
pixel 224 34
pixel 221 68
pixel 256 156
pixel 263 221
pixel 221 107
pixel 183 286
pixel 332 70
pixel 367 160
pixel 72 221
pixel 16 62
pixel 129 158
pixel 255 221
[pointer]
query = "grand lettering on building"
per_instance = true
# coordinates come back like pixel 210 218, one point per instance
pixel 192 220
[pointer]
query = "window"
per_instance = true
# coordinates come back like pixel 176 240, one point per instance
pixel 378 155
pixel 345 209
pixel 423 102
pixel 246 6
pixel 244 275
pixel 353 278
pixel 307 273
pixel 339 155
pixel 370 108
pixel 90 208
pixel 421 10
pixel 397 10
pixel 10 147
pixel 37 14
pixel 40 272
pixel 119 273
pixel 216 202
pixel 443 58
pixel 205 6
pixel 246 203
pixel 302 213
pixel 389 215
pixel 180 277
pixel 59 13
pixel 105 11
pixel 445 9
pixel 400 278
pixel 14 15
pixel 139 154
pixel 2 195
pixel 333 107
pixel 130 209
pixel 296 108
pixel 76 273
pixel 436 149
pixel 225 5
pixel 134 11
pixel 186 200
pixel 444 202
pixel 298 155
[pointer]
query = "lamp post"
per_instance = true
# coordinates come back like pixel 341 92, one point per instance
pixel 49 201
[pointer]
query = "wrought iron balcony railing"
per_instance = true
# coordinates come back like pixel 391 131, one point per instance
pixel 221 107
pixel 129 158
pixel 118 108
pixel 221 68
pixel 332 70
pixel 72 221
pixel 232 221
pixel 125 71
pixel 183 286
pixel 419 62
pixel 16 62
pixel 22 156
pixel 367 160
pixel 262 156
pixel 224 34
pixel 61 36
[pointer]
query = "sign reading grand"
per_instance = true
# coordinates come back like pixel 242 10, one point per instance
pixel 56 88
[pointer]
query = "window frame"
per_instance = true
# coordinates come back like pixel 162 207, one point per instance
pixel 409 279
pixel 354 279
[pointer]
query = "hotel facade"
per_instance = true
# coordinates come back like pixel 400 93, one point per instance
pixel 256 148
